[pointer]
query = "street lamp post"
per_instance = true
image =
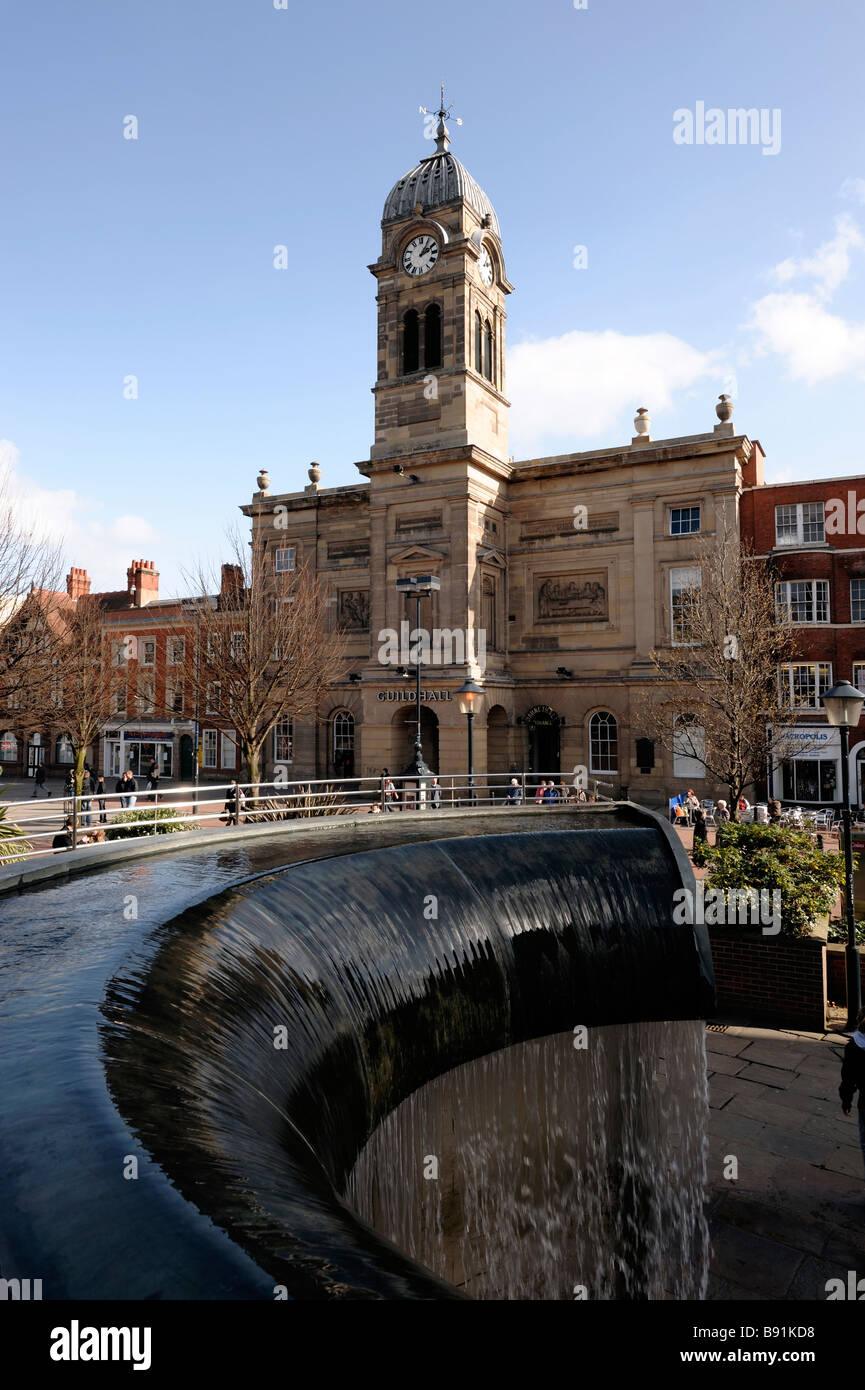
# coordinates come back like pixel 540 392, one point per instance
pixel 469 693
pixel 843 706
pixel 417 770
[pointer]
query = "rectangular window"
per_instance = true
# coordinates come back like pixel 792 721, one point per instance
pixel 118 652
pixel 238 645
pixel 857 600
pixel 228 756
pixel 175 696
pixel 810 779
pixel 147 701
pixel 208 747
pixel 801 684
pixel 689 749
pixel 120 700
pixel 176 651
pixel 802 601
pixel 858 674
pixel 283 741
pixel 684 587
pixel 799 523
pixel 684 521
pixel 283 559
pixel 147 652
pixel 212 697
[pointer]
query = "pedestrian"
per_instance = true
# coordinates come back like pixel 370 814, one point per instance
pixel 722 812
pixel 63 840
pixel 40 781
pixel 551 796
pixel 540 794
pixel 152 778
pixel 435 794
pixel 69 794
pixel 514 793
pixel 388 791
pixel 853 1075
pixel 235 801
pixel 88 785
pixel 99 791
pixel 700 831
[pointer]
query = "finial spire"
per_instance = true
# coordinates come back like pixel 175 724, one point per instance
pixel 443 113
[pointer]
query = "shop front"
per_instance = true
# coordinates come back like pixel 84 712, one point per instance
pixel 811 776
pixel 138 748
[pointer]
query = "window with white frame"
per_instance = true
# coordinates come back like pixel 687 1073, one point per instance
pixel 8 747
pixel 801 684
pixel 283 559
pixel 238 645
pixel 147 698
pixel 228 756
pixel 208 747
pixel 147 652
pixel 685 584
pixel 343 735
pixel 283 741
pixel 858 674
pixel 176 651
pixel 857 600
pixel 684 521
pixel 212 696
pixel 603 742
pixel 689 748
pixel 799 523
pixel 802 601
pixel 120 700
pixel 174 695
pixel 118 652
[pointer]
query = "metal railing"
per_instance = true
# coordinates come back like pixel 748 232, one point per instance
pixel 114 817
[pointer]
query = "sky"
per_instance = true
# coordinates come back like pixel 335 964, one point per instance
pixel 153 358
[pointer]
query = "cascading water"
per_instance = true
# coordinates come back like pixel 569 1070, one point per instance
pixel 550 1170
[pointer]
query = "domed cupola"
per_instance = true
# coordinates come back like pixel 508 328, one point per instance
pixel 437 180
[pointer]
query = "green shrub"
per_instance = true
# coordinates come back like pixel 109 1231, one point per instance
pixel 775 857
pixel 838 930
pixel 132 823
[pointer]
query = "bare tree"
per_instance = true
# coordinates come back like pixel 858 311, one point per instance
pixel 265 650
pixel 718 697
pixel 29 562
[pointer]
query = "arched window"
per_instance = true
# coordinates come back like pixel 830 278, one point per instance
pixel 479 343
pixel 343 736
pixel 488 611
pixel 603 743
pixel 488 351
pixel 410 341
pixel 8 747
pixel 64 752
pixel 433 336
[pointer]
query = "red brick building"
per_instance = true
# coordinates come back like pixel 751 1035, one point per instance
pixel 813 535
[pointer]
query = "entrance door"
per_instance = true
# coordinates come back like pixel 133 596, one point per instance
pixel 187 759
pixel 544 741
pixel 35 758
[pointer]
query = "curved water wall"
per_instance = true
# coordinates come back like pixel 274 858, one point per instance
pixel 279 1023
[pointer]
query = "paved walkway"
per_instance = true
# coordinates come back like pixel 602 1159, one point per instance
pixel 795 1216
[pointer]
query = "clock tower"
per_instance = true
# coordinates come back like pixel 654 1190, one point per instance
pixel 441 313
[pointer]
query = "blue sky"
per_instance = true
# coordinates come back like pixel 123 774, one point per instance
pixel 709 266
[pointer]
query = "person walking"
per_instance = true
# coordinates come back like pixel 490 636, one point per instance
pixel 40 781
pixel 99 791
pixel 88 786
pixel 388 790
pixel 701 834
pixel 435 794
pixel 853 1076
pixel 235 801
pixel 69 794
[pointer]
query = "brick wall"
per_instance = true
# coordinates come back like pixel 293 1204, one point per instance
pixel 836 974
pixel 771 979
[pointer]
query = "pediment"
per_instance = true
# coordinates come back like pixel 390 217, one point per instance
pixel 415 552
pixel 493 557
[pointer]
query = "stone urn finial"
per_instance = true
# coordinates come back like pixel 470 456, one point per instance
pixel 724 409
pixel 314 472
pixel 642 422
pixel 263 480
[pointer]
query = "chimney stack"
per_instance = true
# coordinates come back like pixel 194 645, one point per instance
pixel 77 584
pixel 142 581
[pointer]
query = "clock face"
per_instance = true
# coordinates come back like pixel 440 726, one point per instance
pixel 485 266
pixel 420 255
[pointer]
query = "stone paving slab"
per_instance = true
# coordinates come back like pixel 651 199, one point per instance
pixel 795 1217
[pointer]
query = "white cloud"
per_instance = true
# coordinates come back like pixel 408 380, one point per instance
pixel 854 189
pixel 103 545
pixel 815 343
pixel 582 386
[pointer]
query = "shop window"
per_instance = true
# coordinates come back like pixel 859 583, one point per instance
pixel 810 779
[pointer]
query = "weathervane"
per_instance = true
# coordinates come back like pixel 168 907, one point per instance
pixel 443 113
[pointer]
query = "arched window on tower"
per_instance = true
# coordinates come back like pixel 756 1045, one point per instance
pixel 488 351
pixel 433 336
pixel 410 341
pixel 479 343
